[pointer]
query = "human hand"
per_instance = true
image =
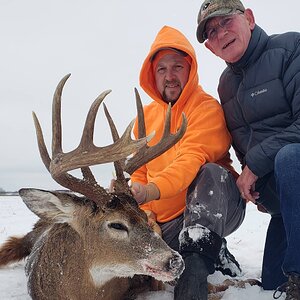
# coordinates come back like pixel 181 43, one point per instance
pixel 139 192
pixel 144 193
pixel 246 185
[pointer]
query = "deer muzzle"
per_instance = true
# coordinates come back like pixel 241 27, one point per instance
pixel 167 269
pixel 176 265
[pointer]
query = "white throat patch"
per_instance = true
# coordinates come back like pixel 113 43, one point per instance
pixel 102 275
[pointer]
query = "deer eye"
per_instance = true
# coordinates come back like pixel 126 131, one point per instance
pixel 118 226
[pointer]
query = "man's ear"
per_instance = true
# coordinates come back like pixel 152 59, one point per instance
pixel 209 47
pixel 250 18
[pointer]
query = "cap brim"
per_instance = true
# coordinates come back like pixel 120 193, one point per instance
pixel 201 26
pixel 181 52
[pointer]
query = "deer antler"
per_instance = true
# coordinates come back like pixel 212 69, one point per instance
pixel 145 153
pixel 120 185
pixel 167 140
pixel 86 154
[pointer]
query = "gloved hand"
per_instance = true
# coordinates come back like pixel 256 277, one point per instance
pixel 144 193
pixel 138 191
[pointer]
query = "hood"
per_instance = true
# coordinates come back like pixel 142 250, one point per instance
pixel 169 37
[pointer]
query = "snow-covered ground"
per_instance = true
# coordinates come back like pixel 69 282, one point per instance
pixel 246 244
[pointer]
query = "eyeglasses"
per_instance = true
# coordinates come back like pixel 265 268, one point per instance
pixel 225 23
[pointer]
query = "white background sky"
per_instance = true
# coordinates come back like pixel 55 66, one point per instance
pixel 103 44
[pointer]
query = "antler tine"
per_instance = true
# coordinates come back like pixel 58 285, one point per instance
pixel 88 131
pixel 41 142
pixel 56 117
pixel 115 135
pixel 120 185
pixel 112 126
pixel 56 126
pixel 147 153
pixel 140 112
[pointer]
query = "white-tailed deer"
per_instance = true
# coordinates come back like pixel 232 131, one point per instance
pixel 90 246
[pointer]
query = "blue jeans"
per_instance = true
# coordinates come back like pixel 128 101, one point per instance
pixel 280 195
pixel 287 174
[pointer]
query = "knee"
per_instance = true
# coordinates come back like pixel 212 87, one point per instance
pixel 215 172
pixel 211 169
pixel 209 175
pixel 206 177
pixel 287 157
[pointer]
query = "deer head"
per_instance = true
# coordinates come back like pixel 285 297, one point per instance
pixel 84 243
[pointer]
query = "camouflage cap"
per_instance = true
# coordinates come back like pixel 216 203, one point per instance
pixel 215 8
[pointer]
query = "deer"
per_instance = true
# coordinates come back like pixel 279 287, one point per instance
pixel 91 243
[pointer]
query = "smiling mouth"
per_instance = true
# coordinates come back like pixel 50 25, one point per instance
pixel 171 86
pixel 228 44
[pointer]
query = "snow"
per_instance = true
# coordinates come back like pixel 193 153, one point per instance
pixel 246 244
pixel 196 233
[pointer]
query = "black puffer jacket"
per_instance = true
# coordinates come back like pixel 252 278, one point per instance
pixel 260 95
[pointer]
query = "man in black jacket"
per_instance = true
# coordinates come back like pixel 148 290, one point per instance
pixel 260 94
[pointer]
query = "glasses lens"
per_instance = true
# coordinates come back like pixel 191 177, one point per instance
pixel 224 23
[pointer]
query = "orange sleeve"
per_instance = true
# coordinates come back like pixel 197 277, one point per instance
pixel 206 140
pixel 140 175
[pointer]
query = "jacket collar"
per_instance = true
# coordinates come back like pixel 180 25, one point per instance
pixel 257 43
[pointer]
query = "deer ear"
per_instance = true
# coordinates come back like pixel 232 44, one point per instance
pixel 45 204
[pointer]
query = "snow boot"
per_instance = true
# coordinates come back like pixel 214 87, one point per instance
pixel 291 288
pixel 192 284
pixel 226 262
pixel 199 248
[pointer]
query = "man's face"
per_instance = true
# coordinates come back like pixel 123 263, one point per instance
pixel 171 75
pixel 230 43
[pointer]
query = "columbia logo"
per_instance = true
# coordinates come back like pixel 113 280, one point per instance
pixel 256 93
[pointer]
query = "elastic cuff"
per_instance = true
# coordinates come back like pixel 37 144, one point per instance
pixel 201 240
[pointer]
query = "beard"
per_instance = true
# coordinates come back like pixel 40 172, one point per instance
pixel 171 96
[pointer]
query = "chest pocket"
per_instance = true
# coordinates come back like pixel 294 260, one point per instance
pixel 264 101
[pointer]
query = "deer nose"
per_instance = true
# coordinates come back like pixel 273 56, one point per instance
pixel 176 264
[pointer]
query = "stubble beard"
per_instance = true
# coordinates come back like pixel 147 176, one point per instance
pixel 171 100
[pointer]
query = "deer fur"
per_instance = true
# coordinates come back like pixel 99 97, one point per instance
pixel 96 246
pixel 77 251
pixel 91 246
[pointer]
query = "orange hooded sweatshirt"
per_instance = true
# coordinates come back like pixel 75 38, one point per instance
pixel 205 140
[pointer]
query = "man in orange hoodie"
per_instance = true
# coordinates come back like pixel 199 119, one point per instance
pixel 190 189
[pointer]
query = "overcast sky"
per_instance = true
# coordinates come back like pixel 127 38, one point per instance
pixel 102 44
